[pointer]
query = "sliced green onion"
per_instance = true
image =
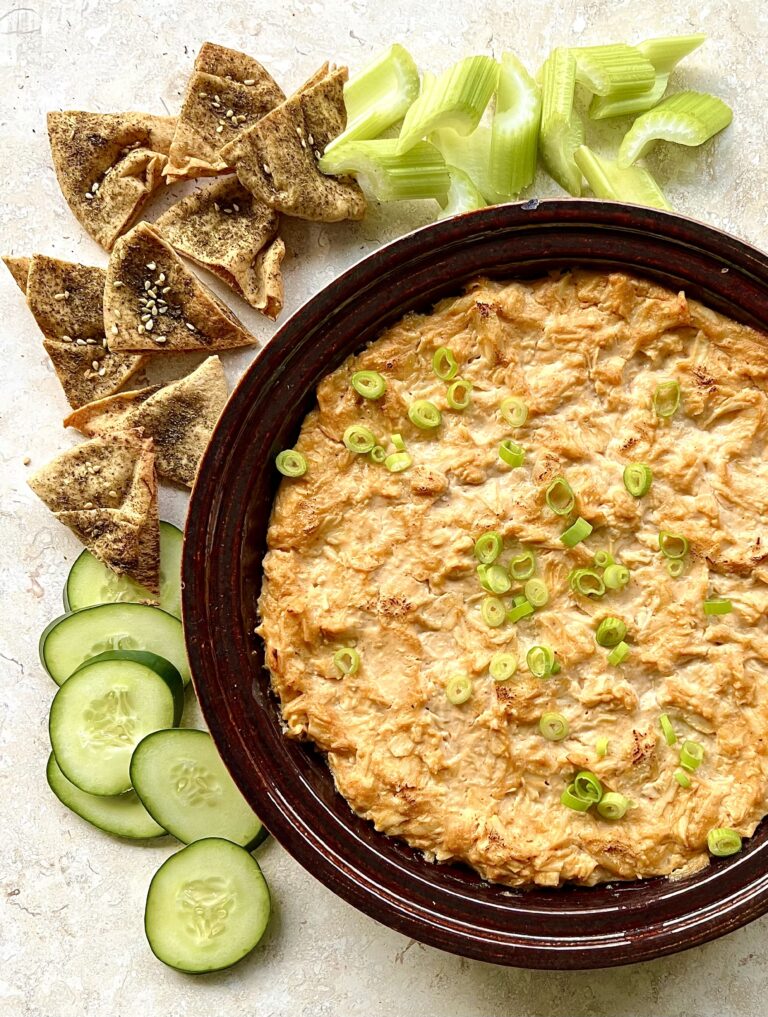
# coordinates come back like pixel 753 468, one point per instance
pixel 519 611
pixel 495 579
pixel 398 461
pixel 515 128
pixel 378 96
pixel 291 463
pixel 638 479
pixel 616 577
pixel 502 666
pixel 587 787
pixel 603 559
pixel 359 439
pixel 540 661
pixel 456 98
pixel 522 566
pixel 666 399
pixel 424 414
pixel 378 454
pixel 588 583
pixel 369 384
pixel 682 778
pixel 387 175
pixel 667 730
pixel 554 726
pixel 634 185
pixel 601 747
pixel 691 754
pixel 459 395
pixel 610 631
pixel 575 533
pixel 618 654
pixel 397 441
pixel 560 497
pixel 723 841
pixel 463 195
pixel 346 660
pixel 458 690
pixel 613 805
pixel 617 70
pixel 493 612
pixel 675 567
pixel 571 800
pixel 562 131
pixel 673 545
pixel 536 592
pixel 720 606
pixel 514 411
pixel 518 600
pixel 444 364
pixel 511 453
pixel 488 547
pixel 687 118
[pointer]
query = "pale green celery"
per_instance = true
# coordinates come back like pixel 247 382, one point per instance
pixel 665 54
pixel 687 118
pixel 617 70
pixel 379 96
pixel 419 173
pixel 471 155
pixel 463 196
pixel 561 128
pixel 515 128
pixel 457 98
pixel 606 180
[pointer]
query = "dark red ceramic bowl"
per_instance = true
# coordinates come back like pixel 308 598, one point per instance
pixel 288 783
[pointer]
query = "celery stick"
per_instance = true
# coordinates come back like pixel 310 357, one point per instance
pixel 607 180
pixel 471 155
pixel 667 52
pixel 463 196
pixel 687 118
pixel 561 128
pixel 419 173
pixel 457 99
pixel 617 70
pixel 515 128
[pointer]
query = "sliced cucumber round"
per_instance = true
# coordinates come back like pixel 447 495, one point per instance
pixel 89 582
pixel 123 815
pixel 72 639
pixel 101 713
pixel 185 787
pixel 207 907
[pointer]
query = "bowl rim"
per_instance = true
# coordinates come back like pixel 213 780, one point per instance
pixel 206 599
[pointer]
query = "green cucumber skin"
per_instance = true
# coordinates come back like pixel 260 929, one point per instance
pixel 163 669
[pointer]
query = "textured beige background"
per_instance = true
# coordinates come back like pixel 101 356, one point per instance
pixel 71 939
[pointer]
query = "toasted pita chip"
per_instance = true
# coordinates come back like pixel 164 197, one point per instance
pixel 105 491
pixel 19 269
pixel 228 91
pixel 276 158
pixel 180 418
pixel 108 164
pixel 154 302
pixel 227 230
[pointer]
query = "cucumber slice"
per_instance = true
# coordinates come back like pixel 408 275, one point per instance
pixel 101 713
pixel 89 582
pixel 207 907
pixel 72 639
pixel 123 815
pixel 185 787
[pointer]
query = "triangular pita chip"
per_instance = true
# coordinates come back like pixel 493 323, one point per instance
pixel 154 302
pixel 180 418
pixel 105 491
pixel 228 92
pixel 108 164
pixel 66 300
pixel 276 159
pixel 230 232
pixel 19 269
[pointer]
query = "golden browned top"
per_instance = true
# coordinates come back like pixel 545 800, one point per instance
pixel 359 556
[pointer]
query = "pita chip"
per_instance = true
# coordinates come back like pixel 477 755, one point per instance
pixel 276 158
pixel 227 230
pixel 19 269
pixel 66 300
pixel 179 417
pixel 105 491
pixel 108 165
pixel 228 91
pixel 154 302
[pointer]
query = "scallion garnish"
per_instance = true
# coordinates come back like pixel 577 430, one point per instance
pixel 369 384
pixel 387 175
pixel 675 567
pixel 554 726
pixel 723 841
pixel 522 566
pixel 359 439
pixel 540 661
pixel 587 582
pixel 613 805
pixel 691 754
pixel 424 414
pixel 571 800
pixel 666 399
pixel 511 453
pixel 396 462
pixel 493 612
pixel 587 787
pixel 610 631
pixel 672 545
pixel 346 660
pixel 291 463
pixel 667 730
pixel 536 592
pixel 618 654
pixel 502 666
pixel 458 689
pixel 495 579
pixel 519 611
pixel 638 479
pixel 686 118
pixel 718 606
pixel 559 497
pixel 603 559
pixel 514 411
pixel 601 747
pixel 575 533
pixel 682 778
pixel 459 395
pixel 378 454
pixel 488 547
pixel 397 441
pixel 616 577
pixel 561 128
pixel 444 364
pixel 515 128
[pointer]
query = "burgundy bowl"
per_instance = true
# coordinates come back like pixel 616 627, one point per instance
pixel 287 782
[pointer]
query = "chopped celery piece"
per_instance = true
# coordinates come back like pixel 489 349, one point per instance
pixel 379 96
pixel 617 70
pixel 515 128
pixel 463 196
pixel 457 99
pixel 471 155
pixel 561 128
pixel 420 173
pixel 664 54
pixel 687 118
pixel 635 184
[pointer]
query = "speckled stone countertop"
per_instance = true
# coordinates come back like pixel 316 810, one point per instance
pixel 71 898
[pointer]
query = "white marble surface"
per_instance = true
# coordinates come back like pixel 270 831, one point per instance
pixel 71 899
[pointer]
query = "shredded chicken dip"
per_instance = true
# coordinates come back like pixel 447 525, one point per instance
pixel 383 562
